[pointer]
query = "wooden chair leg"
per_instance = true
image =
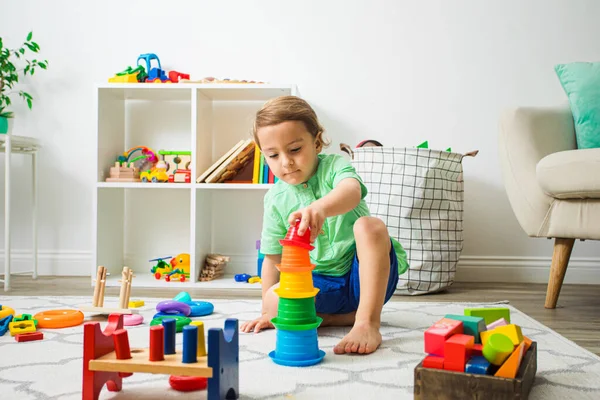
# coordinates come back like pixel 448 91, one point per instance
pixel 560 261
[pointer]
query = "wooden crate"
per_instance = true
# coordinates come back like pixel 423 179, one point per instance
pixel 437 384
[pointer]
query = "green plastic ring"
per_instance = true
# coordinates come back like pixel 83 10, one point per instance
pixel 180 321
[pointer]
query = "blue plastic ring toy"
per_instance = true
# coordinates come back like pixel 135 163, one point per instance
pixel 200 308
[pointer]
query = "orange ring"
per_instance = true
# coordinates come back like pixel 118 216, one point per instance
pixel 56 319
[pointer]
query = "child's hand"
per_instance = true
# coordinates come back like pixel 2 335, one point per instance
pixel 264 322
pixel 311 217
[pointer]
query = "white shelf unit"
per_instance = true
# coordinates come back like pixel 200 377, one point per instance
pixel 136 222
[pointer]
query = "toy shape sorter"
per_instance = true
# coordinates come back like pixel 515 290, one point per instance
pixel 108 358
pixel 297 321
pixel 476 355
pixel 178 165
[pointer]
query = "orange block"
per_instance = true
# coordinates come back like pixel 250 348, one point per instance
pixel 527 342
pixel 511 366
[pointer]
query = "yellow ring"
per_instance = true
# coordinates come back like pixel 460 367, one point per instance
pixel 5 311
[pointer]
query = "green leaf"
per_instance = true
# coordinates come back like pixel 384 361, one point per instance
pixel 32 71
pixel 29 103
pixel 31 47
pixel 37 46
pixel 29 36
pixel 26 69
pixel 42 65
pixel 22 50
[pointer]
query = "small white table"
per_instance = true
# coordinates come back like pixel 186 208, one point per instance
pixel 10 144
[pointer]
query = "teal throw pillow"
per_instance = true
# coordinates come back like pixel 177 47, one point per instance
pixel 581 83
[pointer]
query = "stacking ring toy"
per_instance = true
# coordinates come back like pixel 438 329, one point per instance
pixel 56 319
pixel 132 319
pixel 180 322
pixel 169 314
pixel 188 383
pixel 172 305
pixel 5 311
pixel 200 308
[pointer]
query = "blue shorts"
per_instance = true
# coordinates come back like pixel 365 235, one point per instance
pixel 341 294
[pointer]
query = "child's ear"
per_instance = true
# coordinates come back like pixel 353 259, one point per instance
pixel 319 142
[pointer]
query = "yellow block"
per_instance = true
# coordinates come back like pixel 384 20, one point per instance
pixel 19 327
pixel 201 350
pixel 136 303
pixel 512 331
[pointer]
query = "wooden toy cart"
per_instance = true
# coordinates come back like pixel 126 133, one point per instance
pixel 108 359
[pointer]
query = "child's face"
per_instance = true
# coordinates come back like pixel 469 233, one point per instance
pixel 290 150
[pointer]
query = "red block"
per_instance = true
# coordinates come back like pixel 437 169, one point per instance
pixel 436 335
pixel 28 337
pixel 433 362
pixel 477 350
pixel 458 350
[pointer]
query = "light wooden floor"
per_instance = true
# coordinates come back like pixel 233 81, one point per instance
pixel 577 316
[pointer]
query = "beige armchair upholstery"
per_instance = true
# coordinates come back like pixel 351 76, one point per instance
pixel 553 189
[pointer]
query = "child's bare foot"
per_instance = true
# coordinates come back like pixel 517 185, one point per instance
pixel 364 338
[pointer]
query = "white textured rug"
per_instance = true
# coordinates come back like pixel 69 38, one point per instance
pixel 52 368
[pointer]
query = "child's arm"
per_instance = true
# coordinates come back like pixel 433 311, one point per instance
pixel 343 198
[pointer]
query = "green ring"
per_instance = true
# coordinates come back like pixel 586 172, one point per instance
pixel 299 327
pixel 180 321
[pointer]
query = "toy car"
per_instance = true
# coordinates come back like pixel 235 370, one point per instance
pixel 157 174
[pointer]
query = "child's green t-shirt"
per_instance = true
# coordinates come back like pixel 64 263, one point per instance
pixel 335 248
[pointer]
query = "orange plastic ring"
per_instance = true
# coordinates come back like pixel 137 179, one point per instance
pixel 56 319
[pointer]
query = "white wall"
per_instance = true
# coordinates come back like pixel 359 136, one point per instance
pixel 397 71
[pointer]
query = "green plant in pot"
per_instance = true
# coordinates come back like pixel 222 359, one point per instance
pixel 10 73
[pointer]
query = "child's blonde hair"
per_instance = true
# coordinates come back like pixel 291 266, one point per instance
pixel 289 108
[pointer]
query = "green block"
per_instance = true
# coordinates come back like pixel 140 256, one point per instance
pixel 424 145
pixel 489 314
pixel 471 325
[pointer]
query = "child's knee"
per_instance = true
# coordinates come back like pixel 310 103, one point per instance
pixel 372 228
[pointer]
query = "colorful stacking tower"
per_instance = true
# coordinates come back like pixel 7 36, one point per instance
pixel 296 322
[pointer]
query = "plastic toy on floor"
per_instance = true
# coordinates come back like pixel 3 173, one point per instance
pixel 108 357
pixel 467 359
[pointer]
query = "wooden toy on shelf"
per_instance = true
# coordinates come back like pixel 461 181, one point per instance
pixel 124 295
pixel 214 267
pixel 178 165
pixel 502 366
pixel 108 358
pixel 122 173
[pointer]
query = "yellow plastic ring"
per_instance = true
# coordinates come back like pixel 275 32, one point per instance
pixel 56 319
pixel 5 311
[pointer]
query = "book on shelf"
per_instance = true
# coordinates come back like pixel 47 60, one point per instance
pixel 218 163
pixel 233 164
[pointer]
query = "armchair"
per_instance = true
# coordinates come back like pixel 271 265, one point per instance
pixel 553 188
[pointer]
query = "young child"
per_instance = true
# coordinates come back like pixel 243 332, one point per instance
pixel 356 262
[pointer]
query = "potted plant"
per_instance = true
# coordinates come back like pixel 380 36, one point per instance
pixel 9 76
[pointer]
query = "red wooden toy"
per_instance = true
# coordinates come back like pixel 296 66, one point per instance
pixel 436 335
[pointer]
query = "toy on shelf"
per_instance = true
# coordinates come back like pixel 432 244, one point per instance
pixel 148 73
pixel 127 167
pixel 124 295
pixel 108 357
pixel 155 74
pixel 211 79
pixel 158 173
pixel 130 75
pixel 178 268
pixel 297 321
pixel 214 266
pixel 178 165
pixel 175 76
pixel 467 359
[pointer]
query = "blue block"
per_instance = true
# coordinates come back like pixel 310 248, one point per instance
pixel 190 344
pixel 170 329
pixel 223 358
pixel 4 324
pixel 477 365
pixel 164 314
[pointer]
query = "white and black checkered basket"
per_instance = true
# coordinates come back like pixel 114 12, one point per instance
pixel 419 195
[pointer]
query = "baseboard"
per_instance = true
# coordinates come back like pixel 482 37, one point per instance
pixel 50 263
pixel 470 268
pixel 524 269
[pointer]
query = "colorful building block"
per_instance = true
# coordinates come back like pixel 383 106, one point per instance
pixel 512 331
pixel 471 325
pixel 489 314
pixel 477 349
pixel 433 362
pixel 4 324
pixel 495 324
pixel 29 337
pixel 510 367
pixel 21 327
pixel 478 365
pixel 457 350
pixel 498 348
pixel 438 333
